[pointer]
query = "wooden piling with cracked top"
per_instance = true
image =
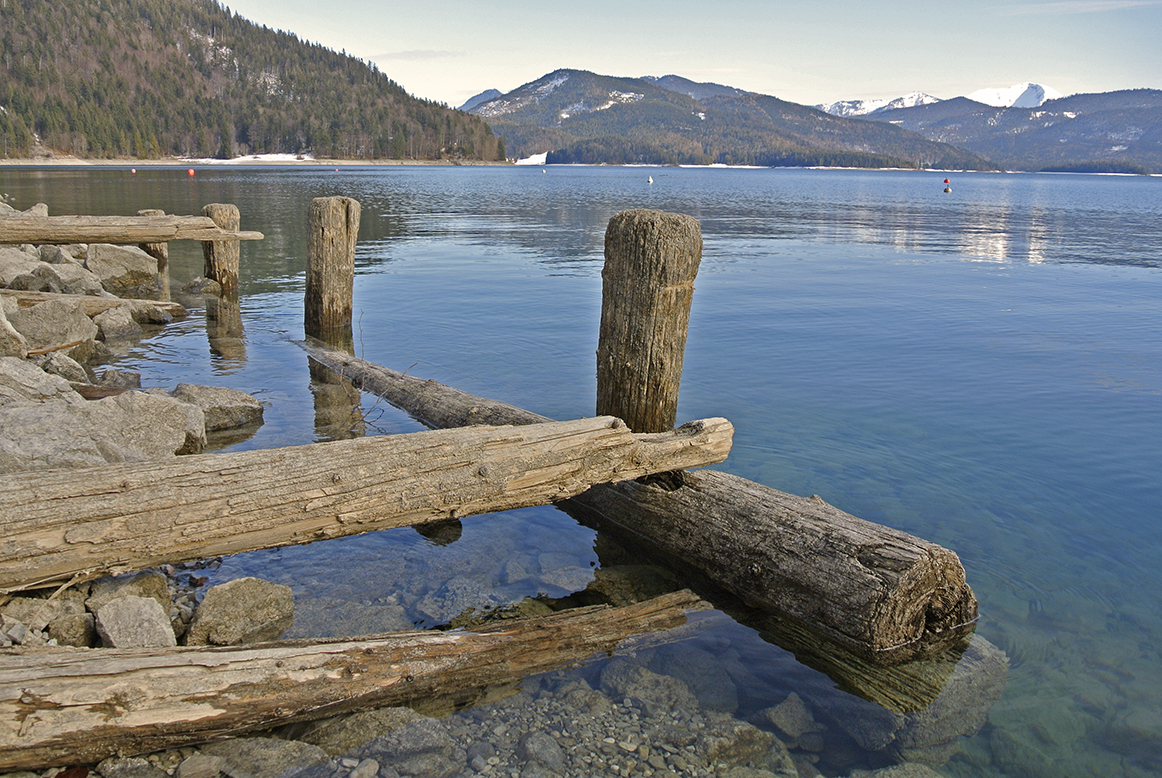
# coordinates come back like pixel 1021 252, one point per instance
pixel 333 231
pixel 651 259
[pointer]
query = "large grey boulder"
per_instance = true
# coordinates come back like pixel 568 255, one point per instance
pixel 132 426
pixel 126 271
pixel 224 408
pixel 41 279
pixel 134 622
pixel 245 610
pixel 147 583
pixel 117 323
pixel 15 262
pixel 58 364
pixel 77 279
pixel 260 757
pixel 23 382
pixel 55 323
pixel 12 343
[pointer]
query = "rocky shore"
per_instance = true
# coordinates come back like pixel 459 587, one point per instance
pixel 653 710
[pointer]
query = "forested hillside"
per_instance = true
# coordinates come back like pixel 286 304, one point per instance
pixel 154 78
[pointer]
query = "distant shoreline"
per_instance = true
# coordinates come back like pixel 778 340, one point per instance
pixel 264 160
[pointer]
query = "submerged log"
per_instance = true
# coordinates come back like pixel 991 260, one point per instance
pixel 115 229
pixel 60 707
pixel 62 525
pixel 889 596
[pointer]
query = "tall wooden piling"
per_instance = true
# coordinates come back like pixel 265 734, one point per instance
pixel 333 230
pixel 651 259
pixel 160 252
pixel 221 256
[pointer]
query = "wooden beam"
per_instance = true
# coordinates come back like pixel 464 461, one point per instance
pixel 889 596
pixel 90 305
pixel 62 525
pixel 40 230
pixel 67 707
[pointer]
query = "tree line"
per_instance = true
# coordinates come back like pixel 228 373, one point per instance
pixel 156 78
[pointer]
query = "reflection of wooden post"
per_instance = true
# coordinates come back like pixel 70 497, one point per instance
pixel 160 252
pixel 333 224
pixel 651 258
pixel 224 326
pixel 222 255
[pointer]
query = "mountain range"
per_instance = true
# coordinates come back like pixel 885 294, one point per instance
pixel 578 116
pixel 581 117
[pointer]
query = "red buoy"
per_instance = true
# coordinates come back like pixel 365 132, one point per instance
pixel 190 171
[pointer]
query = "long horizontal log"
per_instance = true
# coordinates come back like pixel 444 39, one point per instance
pixel 79 706
pixel 59 525
pixel 114 229
pixel 90 305
pixel 887 595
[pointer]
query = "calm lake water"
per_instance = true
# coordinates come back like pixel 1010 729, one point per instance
pixel 981 368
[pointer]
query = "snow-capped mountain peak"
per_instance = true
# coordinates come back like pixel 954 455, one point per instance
pixel 1026 95
pixel 865 107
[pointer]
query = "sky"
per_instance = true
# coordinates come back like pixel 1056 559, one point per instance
pixel 809 53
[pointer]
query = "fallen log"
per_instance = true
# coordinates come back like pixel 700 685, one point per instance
pixel 41 230
pixel 78 706
pixel 889 596
pixel 90 305
pixel 62 525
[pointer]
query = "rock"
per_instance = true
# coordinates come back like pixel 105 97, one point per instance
pixel 202 285
pixel 74 629
pixel 15 263
pixel 898 771
pixel 195 422
pixel 12 343
pixel 224 408
pixel 622 678
pixel 703 674
pixel 147 583
pixel 23 382
pixel 126 271
pixel 134 622
pixel 146 313
pixel 260 757
pixel 539 748
pixel 421 748
pixel 119 379
pixel 626 584
pixel 791 717
pixel 117 323
pixel 200 765
pixel 245 610
pixel 132 426
pixel 55 323
pixel 56 363
pixel 78 280
pixel 344 733
pixel 41 279
pixel 726 740
pixel 132 767
pixel 34 612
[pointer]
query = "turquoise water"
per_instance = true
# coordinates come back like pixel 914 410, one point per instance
pixel 981 368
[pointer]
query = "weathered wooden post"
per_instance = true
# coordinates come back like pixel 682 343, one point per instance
pixel 221 256
pixel 333 229
pixel 160 252
pixel 651 259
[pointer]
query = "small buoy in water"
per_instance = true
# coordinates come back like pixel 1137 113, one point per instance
pixel 132 170
pixel 947 181
pixel 947 189
pixel 190 172
pixel 651 179
pixel 542 170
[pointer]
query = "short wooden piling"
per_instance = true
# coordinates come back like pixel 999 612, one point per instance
pixel 333 230
pixel 159 251
pixel 221 256
pixel 651 259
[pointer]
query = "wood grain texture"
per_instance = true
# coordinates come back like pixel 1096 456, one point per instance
pixel 39 230
pixel 61 525
pixel 78 706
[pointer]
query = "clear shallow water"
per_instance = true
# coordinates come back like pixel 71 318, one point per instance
pixel 981 368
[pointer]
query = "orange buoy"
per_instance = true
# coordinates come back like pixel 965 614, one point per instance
pixel 190 171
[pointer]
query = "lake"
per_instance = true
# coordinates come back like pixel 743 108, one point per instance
pixel 982 368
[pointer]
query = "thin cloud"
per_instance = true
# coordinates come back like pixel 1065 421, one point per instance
pixel 417 55
pixel 1078 7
